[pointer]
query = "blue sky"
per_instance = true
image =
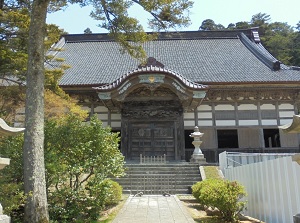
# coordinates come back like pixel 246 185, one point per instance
pixel 75 19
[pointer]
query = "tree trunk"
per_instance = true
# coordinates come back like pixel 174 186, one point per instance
pixel 36 210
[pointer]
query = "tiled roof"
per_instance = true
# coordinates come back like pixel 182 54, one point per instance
pixel 151 69
pixel 203 57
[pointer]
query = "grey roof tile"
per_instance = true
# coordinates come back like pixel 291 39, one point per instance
pixel 202 60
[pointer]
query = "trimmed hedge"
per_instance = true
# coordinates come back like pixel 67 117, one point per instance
pixel 221 194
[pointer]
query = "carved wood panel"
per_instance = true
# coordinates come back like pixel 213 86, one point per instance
pixel 152 139
pixel 152 128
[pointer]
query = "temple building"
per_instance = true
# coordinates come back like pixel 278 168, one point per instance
pixel 224 82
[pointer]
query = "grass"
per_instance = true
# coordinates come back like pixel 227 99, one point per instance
pixel 212 172
pixel 194 208
pixel 109 215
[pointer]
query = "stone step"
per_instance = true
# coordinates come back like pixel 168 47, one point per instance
pixel 159 176
pixel 173 178
pixel 181 183
pixel 158 192
pixel 161 168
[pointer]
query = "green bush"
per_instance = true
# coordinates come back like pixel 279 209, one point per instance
pixel 12 195
pixel 83 205
pixel 114 193
pixel 196 190
pixel 79 158
pixel 223 195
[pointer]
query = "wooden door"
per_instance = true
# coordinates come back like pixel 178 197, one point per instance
pixel 152 139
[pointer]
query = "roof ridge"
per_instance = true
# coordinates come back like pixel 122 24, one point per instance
pixel 260 52
pixel 223 34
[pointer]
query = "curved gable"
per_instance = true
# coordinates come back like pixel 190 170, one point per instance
pixel 151 77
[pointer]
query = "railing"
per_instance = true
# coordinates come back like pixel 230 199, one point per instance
pixel 273 188
pixel 212 155
pixel 151 183
pixel 235 159
pixel 153 159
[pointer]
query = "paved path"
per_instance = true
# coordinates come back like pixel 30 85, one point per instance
pixel 153 209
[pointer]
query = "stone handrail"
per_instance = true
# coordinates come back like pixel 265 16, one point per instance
pixel 153 159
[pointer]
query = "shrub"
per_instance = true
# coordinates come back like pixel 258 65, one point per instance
pixel 88 155
pixel 196 190
pixel 223 195
pixel 83 205
pixel 12 196
pixel 114 193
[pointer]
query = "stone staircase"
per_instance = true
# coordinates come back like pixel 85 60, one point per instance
pixel 156 179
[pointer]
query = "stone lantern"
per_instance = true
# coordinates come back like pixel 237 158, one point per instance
pixel 6 130
pixel 197 156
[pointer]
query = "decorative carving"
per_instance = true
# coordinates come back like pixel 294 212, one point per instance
pixel 151 61
pixel 152 109
pixel 250 95
pixel 124 87
pixel 152 78
pixel 199 94
pixel 152 87
pixel 146 92
pixel 104 95
pixel 131 105
pixel 179 87
pixel 145 114
pixel 234 96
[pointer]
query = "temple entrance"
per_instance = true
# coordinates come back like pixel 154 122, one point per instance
pixel 152 121
pixel 151 101
pixel 152 139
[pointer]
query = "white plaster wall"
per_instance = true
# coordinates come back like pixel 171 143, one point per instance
pixel 269 122
pixel 267 107
pixel 102 116
pixel 286 106
pixel 286 114
pixel 285 121
pixel 204 108
pixel 115 116
pixel 100 109
pixel 189 123
pixel 247 107
pixel 188 115
pixel 224 107
pixel 205 123
pixel 204 115
pixel 248 122
pixel 115 124
pixel 225 123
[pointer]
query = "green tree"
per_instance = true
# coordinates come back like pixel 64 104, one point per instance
pixel 295 49
pixel 279 38
pixel 79 158
pixel 298 26
pixel 14 27
pixel 242 25
pixel 87 31
pixel 113 13
pixel 11 177
pixel 210 24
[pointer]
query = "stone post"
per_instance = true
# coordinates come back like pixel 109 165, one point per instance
pixel 3 218
pixel 197 156
pixel 6 130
